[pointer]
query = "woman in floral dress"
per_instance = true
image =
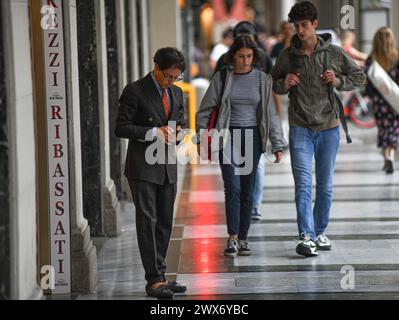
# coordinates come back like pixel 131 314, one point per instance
pixel 385 53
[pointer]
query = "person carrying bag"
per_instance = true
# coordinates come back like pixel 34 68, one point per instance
pixel 382 69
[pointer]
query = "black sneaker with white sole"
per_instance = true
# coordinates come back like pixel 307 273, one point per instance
pixel 231 249
pixel 323 243
pixel 307 248
pixel 243 248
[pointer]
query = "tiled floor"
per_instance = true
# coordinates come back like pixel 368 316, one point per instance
pixel 364 229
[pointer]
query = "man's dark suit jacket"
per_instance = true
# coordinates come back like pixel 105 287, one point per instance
pixel 140 110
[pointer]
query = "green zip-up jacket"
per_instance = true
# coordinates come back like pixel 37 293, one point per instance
pixel 310 104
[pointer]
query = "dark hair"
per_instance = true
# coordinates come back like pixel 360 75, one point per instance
pixel 303 11
pixel 243 41
pixel 228 33
pixel 245 27
pixel 169 57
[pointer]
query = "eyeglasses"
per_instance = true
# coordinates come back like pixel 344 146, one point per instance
pixel 172 78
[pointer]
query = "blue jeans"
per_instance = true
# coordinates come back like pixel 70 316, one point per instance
pixel 239 188
pixel 259 182
pixel 304 143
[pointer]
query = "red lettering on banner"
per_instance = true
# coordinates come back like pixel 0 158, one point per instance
pixel 59 186
pixel 55 56
pixel 60 243
pixel 59 228
pixel 53 37
pixel 59 206
pixel 55 111
pixel 59 171
pixel 58 153
pixel 60 266
pixel 57 131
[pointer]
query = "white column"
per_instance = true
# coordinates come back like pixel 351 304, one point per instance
pixel 83 252
pixel 134 40
pixel 121 34
pixel 122 62
pixel 286 6
pixel 22 151
pixel 110 201
pixel 165 27
pixel 72 75
pixel 147 58
pixel 103 88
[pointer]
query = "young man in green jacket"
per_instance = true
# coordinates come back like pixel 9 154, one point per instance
pixel 308 71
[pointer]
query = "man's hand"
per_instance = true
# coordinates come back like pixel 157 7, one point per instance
pixel 291 80
pixel 279 156
pixel 166 134
pixel 329 77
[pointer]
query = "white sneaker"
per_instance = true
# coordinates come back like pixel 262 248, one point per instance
pixel 323 243
pixel 256 214
pixel 307 248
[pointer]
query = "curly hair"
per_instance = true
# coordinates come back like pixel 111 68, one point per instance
pixel 242 41
pixel 303 11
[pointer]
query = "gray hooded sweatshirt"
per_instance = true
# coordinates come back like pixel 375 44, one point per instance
pixel 312 107
pixel 268 120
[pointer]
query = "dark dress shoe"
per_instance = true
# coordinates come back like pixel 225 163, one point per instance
pixel 176 287
pixel 161 292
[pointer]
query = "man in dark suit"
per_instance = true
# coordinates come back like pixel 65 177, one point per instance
pixel 151 114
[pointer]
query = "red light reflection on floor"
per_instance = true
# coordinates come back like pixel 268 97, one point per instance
pixel 204 256
pixel 204 251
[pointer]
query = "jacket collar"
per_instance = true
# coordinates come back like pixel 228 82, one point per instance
pixel 151 92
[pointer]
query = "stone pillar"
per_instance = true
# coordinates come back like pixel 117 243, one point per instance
pixel 89 116
pixel 101 206
pixel 144 16
pixel 4 178
pixel 286 6
pixel 132 71
pixel 83 252
pixel 122 46
pixel 115 67
pixel 21 153
pixel 132 40
pixel 111 206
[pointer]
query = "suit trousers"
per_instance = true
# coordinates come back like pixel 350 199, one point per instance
pixel 154 218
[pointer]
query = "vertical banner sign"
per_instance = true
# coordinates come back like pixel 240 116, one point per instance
pixel 52 25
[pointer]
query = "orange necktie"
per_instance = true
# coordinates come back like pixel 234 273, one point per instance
pixel 165 102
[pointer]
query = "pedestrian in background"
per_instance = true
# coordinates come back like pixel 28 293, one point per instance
pixel 221 48
pixel 348 41
pixel 245 108
pixel 385 53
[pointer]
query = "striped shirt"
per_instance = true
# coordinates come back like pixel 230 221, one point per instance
pixel 245 99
